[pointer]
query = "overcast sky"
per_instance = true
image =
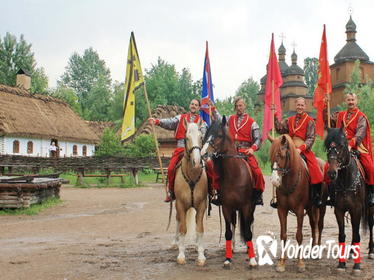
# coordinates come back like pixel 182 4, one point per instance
pixel 238 31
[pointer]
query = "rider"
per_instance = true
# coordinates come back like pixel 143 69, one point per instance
pixel 176 123
pixel 357 130
pixel 301 128
pixel 246 134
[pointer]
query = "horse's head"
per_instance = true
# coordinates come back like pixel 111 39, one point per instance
pixel 193 143
pixel 282 153
pixel 338 156
pixel 215 138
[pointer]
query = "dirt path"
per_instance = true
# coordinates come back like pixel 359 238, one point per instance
pixel 120 234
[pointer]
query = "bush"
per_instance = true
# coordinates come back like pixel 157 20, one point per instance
pixel 143 146
pixel 110 144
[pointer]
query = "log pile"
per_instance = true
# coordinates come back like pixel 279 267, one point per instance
pixel 24 194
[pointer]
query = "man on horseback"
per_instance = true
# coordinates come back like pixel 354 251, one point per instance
pixel 177 123
pixel 301 128
pixel 246 134
pixel 357 130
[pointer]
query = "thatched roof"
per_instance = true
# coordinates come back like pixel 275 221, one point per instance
pixel 98 127
pixel 162 111
pixel 40 116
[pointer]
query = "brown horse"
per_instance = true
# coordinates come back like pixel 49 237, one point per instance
pixel 191 190
pixel 350 194
pixel 291 177
pixel 236 187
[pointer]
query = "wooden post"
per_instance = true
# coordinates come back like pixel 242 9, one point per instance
pixel 328 110
pixel 108 172
pixel 80 174
pixel 155 137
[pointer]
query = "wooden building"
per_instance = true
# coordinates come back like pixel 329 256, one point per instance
pixel 30 122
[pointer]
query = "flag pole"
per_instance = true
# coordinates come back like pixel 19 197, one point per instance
pixel 328 111
pixel 155 137
pixel 273 126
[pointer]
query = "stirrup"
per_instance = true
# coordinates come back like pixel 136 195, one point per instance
pixel 216 201
pixel 274 203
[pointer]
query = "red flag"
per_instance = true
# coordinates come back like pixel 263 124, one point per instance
pixel 272 93
pixel 324 86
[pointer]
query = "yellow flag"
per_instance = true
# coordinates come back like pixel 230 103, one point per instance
pixel 134 80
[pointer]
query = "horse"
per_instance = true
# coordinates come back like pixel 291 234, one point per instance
pixel 191 191
pixel 236 187
pixel 350 193
pixel 291 179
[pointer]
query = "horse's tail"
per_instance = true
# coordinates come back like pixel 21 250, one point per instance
pixel 191 224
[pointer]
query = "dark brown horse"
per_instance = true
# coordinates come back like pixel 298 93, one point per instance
pixel 290 176
pixel 349 187
pixel 236 187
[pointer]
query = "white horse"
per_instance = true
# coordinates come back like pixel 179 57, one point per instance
pixel 191 190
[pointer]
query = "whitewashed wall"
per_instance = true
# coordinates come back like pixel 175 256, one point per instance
pixel 41 147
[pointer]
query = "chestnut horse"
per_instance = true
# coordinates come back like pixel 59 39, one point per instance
pixel 236 187
pixel 191 190
pixel 291 178
pixel 349 187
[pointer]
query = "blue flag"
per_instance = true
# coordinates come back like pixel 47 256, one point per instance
pixel 207 92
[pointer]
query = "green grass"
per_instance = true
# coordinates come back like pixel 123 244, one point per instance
pixel 147 176
pixel 33 209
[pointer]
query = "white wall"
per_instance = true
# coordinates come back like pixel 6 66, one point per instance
pixel 41 147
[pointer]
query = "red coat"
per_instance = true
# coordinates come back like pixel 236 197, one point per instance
pixel 301 129
pixel 242 133
pixel 180 132
pixel 350 129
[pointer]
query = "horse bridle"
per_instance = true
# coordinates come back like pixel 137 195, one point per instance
pixel 335 156
pixel 283 170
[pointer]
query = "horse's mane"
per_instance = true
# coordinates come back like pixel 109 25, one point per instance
pixel 215 128
pixel 279 142
pixel 337 136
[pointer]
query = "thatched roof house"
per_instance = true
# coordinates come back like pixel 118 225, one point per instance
pixel 165 137
pixel 38 120
pixel 98 127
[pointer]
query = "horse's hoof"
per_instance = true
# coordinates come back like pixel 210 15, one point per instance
pixel 181 261
pixel 371 256
pixel 252 263
pixel 301 268
pixel 227 264
pixel 356 272
pixel 201 262
pixel 280 268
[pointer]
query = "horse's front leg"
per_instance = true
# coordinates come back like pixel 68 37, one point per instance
pixel 371 225
pixel 355 222
pixel 200 232
pixel 282 214
pixel 228 236
pixel 339 214
pixel 299 236
pixel 181 259
pixel 248 238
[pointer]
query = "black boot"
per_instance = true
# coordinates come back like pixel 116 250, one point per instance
pixel 331 201
pixel 316 194
pixel 257 194
pixel 217 199
pixel 370 193
pixel 274 203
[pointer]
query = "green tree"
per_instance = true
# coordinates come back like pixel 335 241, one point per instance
pixel 248 90
pixel 225 106
pixel 84 74
pixel 311 73
pixel 142 146
pixel 16 54
pixel 110 144
pixel 69 96
pixel 116 107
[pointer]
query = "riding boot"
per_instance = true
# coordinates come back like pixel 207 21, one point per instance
pixel 331 190
pixel 316 194
pixel 170 196
pixel 216 200
pixel 274 203
pixel 370 192
pixel 257 194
